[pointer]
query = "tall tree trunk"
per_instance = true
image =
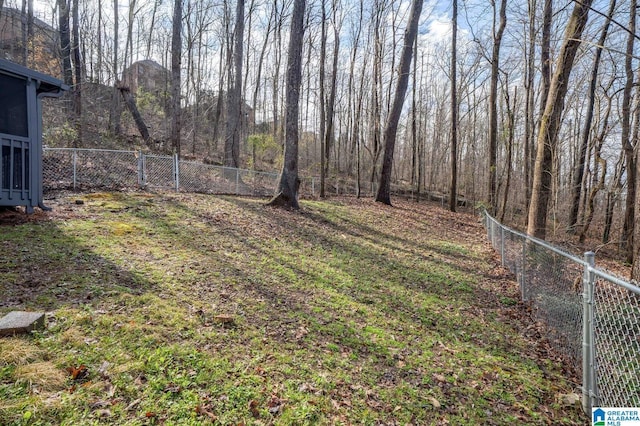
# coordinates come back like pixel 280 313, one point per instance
pixel 376 89
pixel 600 163
pixel 98 71
pixel 511 128
pixel 217 112
pixel 156 3
pixel 322 103
pixel 65 41
pixel 578 176
pixel 234 96
pixel 493 105
pixel 77 67
pixel 390 131
pixel 453 187
pixel 529 138
pixel 626 239
pixel 27 29
pixel 263 52
pixel 550 121
pixel 289 183
pixel 545 55
pixel 114 112
pixel 176 62
pixel 414 119
pixel 328 135
pixel 612 197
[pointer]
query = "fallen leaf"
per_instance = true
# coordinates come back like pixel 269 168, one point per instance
pixel 103 413
pixel 253 407
pixel 440 378
pixel 434 402
pixel 301 332
pixel 306 387
pixel 204 410
pixel 133 404
pixel 103 369
pixel 78 373
pixel 110 389
pixel 275 409
pixel 223 319
pixel 569 398
pixel 172 388
pixel 99 404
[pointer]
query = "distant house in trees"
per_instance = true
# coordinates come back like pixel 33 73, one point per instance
pixel 149 76
pixel 41 50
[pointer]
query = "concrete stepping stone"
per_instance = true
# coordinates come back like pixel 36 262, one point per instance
pixel 18 322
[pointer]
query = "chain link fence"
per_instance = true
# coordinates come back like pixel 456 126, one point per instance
pixel 64 168
pixel 82 169
pixel 591 316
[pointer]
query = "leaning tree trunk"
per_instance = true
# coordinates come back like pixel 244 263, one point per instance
pixel 130 102
pixel 550 120
pixel 384 191
pixel 287 192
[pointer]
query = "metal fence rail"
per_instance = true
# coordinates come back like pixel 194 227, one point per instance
pixel 592 317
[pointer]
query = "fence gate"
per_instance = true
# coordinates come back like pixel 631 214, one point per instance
pixel 159 172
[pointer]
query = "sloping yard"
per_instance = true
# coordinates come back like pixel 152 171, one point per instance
pixel 196 309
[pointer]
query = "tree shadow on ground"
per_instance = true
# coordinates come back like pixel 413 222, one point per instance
pixel 44 267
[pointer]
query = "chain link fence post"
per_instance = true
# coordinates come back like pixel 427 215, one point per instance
pixel 176 171
pixel 237 181
pixel 523 274
pixel 140 169
pixel 588 352
pixel 75 168
pixel 502 246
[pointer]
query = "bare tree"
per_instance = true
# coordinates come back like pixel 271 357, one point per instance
pixel 510 128
pixel 626 239
pixel 331 101
pixel 453 188
pixel 77 68
pixel 289 183
pixel 493 104
pixel 176 62
pixel 578 175
pixel 391 128
pixel 114 112
pixel 234 95
pixel 529 137
pixel 65 41
pixel 321 94
pixel 550 121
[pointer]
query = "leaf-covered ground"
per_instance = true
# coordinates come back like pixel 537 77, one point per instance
pixel 196 309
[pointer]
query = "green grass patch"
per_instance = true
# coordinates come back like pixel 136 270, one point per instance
pixel 195 309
